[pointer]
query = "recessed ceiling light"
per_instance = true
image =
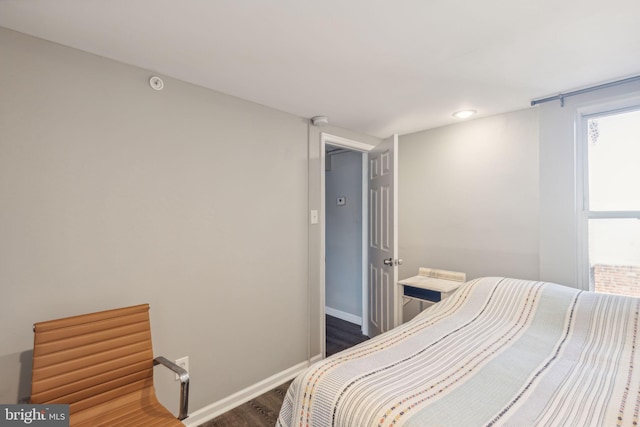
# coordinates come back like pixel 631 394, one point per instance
pixel 464 114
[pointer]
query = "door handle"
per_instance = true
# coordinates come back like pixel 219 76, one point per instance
pixel 388 261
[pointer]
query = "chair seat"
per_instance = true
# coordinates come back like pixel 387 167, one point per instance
pixel 140 408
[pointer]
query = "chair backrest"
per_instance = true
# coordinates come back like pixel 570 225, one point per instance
pixel 90 359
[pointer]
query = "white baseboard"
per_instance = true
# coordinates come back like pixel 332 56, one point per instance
pixel 215 409
pixel 315 358
pixel 351 318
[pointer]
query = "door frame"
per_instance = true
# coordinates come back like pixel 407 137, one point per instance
pixel 338 141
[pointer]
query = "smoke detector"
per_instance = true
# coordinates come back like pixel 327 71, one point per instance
pixel 156 83
pixel 319 121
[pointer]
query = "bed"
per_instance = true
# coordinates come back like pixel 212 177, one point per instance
pixel 499 351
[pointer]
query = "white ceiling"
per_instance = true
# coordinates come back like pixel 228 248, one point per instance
pixel 373 66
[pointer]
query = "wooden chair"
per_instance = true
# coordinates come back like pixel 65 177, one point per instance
pixel 101 364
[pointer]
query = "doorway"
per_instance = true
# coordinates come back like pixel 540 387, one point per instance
pixel 379 298
pixel 344 248
pixel 344 236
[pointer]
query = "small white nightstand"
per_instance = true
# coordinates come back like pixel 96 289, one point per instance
pixel 431 285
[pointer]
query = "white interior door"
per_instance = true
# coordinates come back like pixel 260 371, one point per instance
pixel 383 237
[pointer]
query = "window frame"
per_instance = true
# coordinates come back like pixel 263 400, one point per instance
pixel 583 213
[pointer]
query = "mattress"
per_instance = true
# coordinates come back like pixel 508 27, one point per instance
pixel 499 351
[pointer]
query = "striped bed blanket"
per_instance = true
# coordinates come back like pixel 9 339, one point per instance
pixel 497 352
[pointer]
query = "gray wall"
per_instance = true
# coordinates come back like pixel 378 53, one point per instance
pixel 343 280
pixel 114 194
pixel 468 197
pixel 497 196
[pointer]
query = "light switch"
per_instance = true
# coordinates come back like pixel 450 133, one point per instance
pixel 342 201
pixel 314 216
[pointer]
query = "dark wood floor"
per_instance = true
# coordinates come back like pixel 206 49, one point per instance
pixel 342 335
pixel 264 409
pixel 258 412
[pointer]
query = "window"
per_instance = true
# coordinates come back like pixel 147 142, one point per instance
pixel 610 217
